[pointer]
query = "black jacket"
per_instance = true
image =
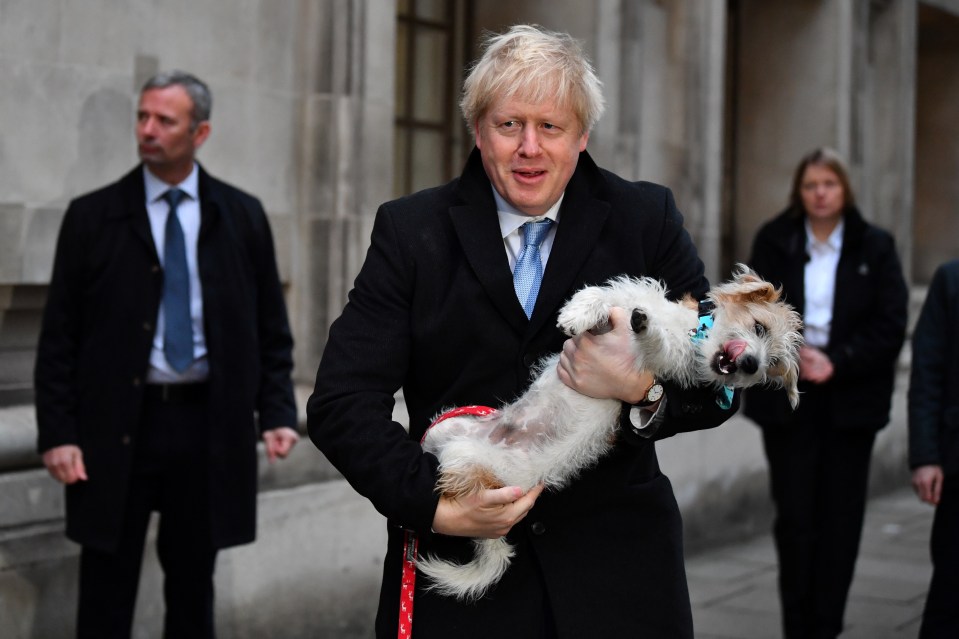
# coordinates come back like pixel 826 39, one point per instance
pixel 95 341
pixel 934 382
pixel 434 311
pixel 868 323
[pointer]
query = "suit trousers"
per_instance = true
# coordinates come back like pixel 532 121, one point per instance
pixel 819 478
pixel 940 619
pixel 169 476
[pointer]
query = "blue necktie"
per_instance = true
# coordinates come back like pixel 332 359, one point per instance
pixel 528 273
pixel 178 325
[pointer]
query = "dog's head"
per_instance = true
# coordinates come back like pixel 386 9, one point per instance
pixel 755 337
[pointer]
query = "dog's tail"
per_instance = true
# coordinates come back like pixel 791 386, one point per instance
pixel 471 580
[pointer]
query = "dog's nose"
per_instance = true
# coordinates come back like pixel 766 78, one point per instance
pixel 747 364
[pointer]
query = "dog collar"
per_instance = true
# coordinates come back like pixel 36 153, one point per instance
pixel 724 396
pixel 476 411
pixel 701 332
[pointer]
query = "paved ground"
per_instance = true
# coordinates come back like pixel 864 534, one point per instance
pixel 734 591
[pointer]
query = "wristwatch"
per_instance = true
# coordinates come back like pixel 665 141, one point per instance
pixel 653 394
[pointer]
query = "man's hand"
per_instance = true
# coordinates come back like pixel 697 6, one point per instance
pixel 279 442
pixel 65 464
pixel 488 514
pixel 814 365
pixel 927 482
pixel 602 366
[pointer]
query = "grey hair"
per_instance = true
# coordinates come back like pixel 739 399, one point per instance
pixel 536 65
pixel 198 91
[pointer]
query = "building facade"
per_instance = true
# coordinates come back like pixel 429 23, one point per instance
pixel 326 108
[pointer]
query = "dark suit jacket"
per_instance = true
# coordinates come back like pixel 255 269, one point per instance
pixel 98 327
pixel 934 383
pixel 868 323
pixel 434 311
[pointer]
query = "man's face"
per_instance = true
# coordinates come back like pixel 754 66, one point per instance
pixel 165 142
pixel 529 151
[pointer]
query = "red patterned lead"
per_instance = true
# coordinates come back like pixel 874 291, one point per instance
pixel 411 543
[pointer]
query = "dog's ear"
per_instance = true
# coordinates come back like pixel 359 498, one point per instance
pixel 787 372
pixel 749 287
pixel 750 290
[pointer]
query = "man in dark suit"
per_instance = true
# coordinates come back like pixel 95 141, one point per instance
pixel 165 330
pixel 437 312
pixel 934 443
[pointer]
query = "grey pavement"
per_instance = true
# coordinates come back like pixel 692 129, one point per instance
pixel 734 592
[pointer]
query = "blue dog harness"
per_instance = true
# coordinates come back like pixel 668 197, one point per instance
pixel 724 396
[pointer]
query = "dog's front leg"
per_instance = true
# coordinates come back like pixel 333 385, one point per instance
pixel 587 310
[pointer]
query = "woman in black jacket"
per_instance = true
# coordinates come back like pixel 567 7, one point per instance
pixel 843 275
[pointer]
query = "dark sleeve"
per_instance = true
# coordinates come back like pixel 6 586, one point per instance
pixel 877 341
pixel 276 405
pixel 677 263
pixel 927 379
pixel 59 342
pixel 365 361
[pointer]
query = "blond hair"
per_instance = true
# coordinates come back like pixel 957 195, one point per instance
pixel 528 62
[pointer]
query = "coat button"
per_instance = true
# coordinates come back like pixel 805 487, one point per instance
pixel 126 440
pixel 155 268
pixel 148 327
pixel 537 527
pixel 136 382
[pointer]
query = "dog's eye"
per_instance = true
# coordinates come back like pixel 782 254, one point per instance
pixel 760 329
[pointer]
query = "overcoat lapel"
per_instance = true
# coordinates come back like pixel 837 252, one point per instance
pixel 132 205
pixel 479 234
pixel 209 203
pixel 581 221
pixel 851 268
pixel 795 248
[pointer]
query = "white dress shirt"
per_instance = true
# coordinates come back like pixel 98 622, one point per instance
pixel 511 223
pixel 188 213
pixel 820 284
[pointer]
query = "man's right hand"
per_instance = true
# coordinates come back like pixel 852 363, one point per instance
pixel 488 514
pixel 927 482
pixel 65 464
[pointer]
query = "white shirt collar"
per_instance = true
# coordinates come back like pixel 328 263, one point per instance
pixel 511 219
pixel 834 241
pixel 155 187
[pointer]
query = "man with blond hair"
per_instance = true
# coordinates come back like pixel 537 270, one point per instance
pixel 456 303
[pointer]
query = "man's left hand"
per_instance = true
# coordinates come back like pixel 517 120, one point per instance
pixel 602 366
pixel 279 442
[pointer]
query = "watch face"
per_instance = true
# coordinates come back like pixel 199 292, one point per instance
pixel 655 393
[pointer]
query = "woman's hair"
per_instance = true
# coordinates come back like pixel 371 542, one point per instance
pixel 534 65
pixel 829 158
pixel 198 91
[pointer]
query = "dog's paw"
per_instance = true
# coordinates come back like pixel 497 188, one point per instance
pixel 638 320
pixel 587 309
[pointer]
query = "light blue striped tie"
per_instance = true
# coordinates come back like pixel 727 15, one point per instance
pixel 528 273
pixel 177 323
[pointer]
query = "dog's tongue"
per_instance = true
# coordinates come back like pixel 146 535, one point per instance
pixel 734 348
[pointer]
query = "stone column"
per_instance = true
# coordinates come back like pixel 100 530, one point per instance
pixel 345 150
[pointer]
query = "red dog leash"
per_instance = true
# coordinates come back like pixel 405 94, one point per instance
pixel 411 543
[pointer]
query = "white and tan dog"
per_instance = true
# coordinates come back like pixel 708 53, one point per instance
pixel 551 433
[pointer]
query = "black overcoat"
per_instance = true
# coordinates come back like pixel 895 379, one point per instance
pixel 433 311
pixel 868 323
pixel 934 377
pixel 95 341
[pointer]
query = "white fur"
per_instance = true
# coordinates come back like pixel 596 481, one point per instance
pixel 551 433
